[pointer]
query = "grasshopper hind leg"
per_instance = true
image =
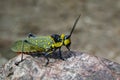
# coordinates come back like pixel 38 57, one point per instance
pixel 22 48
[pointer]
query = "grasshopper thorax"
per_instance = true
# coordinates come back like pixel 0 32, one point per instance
pixel 57 41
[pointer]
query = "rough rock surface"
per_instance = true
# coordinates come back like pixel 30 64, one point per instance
pixel 77 66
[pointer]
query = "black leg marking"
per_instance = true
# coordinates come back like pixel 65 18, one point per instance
pixel 60 55
pixel 17 63
pixel 22 47
pixel 46 56
pixel 54 50
pixel 47 61
pixel 31 35
pixel 68 47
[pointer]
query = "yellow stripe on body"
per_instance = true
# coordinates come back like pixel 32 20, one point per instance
pixel 67 41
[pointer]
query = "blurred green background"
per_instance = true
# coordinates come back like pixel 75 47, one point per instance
pixel 97 32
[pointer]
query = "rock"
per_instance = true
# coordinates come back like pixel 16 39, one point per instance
pixel 77 66
pixel 3 60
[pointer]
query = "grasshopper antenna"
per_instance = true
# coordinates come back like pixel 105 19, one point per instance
pixel 74 25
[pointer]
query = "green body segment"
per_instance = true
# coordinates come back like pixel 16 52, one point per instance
pixel 34 44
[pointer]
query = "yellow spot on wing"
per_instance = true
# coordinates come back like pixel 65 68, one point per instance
pixel 36 42
pixel 44 46
pixel 41 40
pixel 48 43
pixel 32 40
pixel 45 40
